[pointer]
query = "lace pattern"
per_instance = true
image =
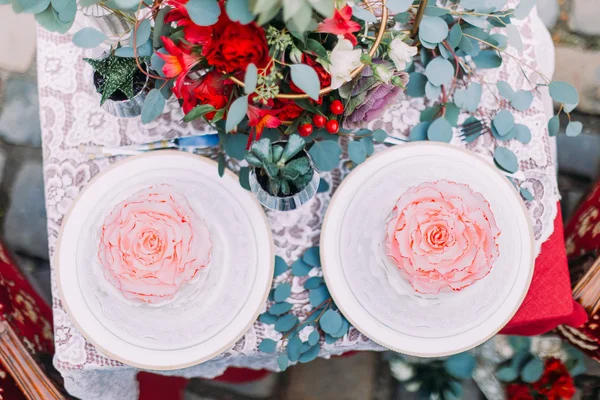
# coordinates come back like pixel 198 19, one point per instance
pixel 71 116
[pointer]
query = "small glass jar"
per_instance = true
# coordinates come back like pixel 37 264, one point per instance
pixel 285 203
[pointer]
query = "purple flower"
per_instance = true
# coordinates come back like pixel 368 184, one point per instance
pixel 371 97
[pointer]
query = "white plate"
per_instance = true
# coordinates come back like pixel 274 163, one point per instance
pixel 213 312
pixel 374 297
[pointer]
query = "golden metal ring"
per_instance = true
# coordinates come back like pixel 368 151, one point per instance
pixel 324 91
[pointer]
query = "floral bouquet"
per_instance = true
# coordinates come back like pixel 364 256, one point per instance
pixel 262 70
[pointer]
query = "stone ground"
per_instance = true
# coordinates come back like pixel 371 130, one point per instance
pixel 361 376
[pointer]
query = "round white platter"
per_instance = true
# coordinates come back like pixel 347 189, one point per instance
pixel 368 288
pixel 210 313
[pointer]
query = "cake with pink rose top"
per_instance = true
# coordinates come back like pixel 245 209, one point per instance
pixel 442 236
pixel 152 244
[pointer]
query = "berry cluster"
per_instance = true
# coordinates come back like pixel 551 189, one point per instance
pixel 332 125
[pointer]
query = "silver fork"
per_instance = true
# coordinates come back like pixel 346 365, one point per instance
pixel 472 129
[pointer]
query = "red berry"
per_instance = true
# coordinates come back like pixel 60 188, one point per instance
pixel 332 126
pixel 305 130
pixel 336 107
pixel 319 121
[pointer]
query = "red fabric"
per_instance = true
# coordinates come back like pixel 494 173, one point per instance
pixel 549 302
pixel 161 387
pixel 583 231
pixel 242 375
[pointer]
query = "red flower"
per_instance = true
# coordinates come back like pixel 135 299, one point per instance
pixel 556 383
pixel 178 63
pixel 288 110
pixel 341 24
pixel 237 46
pixel 213 89
pixel 261 118
pixel 324 77
pixel 518 391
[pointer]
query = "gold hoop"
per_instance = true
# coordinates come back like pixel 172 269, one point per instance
pixel 290 96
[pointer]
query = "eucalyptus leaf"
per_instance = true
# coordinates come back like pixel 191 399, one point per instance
pixel 419 132
pixel 313 283
pixel 198 111
pixel 310 354
pixel 506 90
pixel 439 71
pixel 468 99
pixel 533 370
pixel 312 257
pixel 455 36
pixel 239 10
pixel 126 52
pixel 267 318
pixel 330 322
pixel 286 322
pixel 574 128
pixel 244 177
pixel 504 122
pixel 507 374
pixel 280 308
pixel 524 8
pixel 554 125
pixel 523 134
pixel 357 152
pixel 478 21
pixel 440 130
pixel 433 11
pixel 563 92
pixel 323 186
pixel 313 338
pixel 282 359
pixel 280 266
pixel 300 268
pixel 416 85
pixel 499 41
pixel 267 346
pixel 293 348
pixel 34 6
pixel 379 135
pixel 487 59
pixel 522 100
pixel 250 79
pixel 363 14
pixel 514 37
pixel 323 7
pixel 142 34
pixel 306 78
pixel 460 365
pixel 433 29
pixel 526 194
pixel 318 296
pixel 326 155
pixel 160 28
pixel 88 38
pixel 282 292
pixel 154 105
pixel 203 12
pixel 452 113
pixel 506 159
pixel 398 6
pixel 237 112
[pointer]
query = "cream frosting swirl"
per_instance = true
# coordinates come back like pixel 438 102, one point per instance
pixel 442 235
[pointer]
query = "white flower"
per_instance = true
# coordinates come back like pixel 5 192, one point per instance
pixel 401 53
pixel 382 73
pixel 401 370
pixel 344 59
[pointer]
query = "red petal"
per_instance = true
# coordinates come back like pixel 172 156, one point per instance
pixel 345 12
pixel 172 67
pixel 351 38
pixel 170 46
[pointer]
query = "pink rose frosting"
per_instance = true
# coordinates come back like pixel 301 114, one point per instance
pixel 442 235
pixel 153 243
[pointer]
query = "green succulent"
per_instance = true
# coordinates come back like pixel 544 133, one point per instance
pixel 118 74
pixel 281 169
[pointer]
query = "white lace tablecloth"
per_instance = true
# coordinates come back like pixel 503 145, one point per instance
pixel 71 116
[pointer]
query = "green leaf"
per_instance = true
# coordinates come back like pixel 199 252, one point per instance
pixel 282 359
pixel 142 35
pixel 125 52
pixel 507 374
pixel 574 128
pixel 440 131
pixel 402 18
pixel 416 85
pixel 33 6
pixel 267 346
pixel 419 132
pixel 514 37
pixel 522 134
pixel 432 11
pixel 330 322
pixel 468 99
pixel 526 194
pixel 245 177
pixel 88 38
pixel 238 10
pixel 85 3
pixel 478 21
pixel 506 159
pixel 198 111
pixel 282 292
pixel 280 266
pixel 58 5
pixel 520 344
pixel 455 36
pixel 153 106
pixel 277 152
pixel 487 59
pixel 563 92
pixel 439 71
pixel 263 150
pixel 250 79
pixel 311 353
pixel 433 29
pixel 323 7
pixel 235 145
pixel 506 90
pixel 160 28
pixel 323 186
pixel 533 370
pixel 306 78
pixel 299 166
pixel 316 48
pixel 452 113
pixel 221 165
pixel 460 365
pixel 504 122
pixel 237 112
pixel 312 256
pixel 379 135
pixel 313 283
pixel 318 295
pixel 293 348
pixel 267 318
pixel 343 330
pixel 67 14
pixel 363 14
pixel 300 268
pixel 499 41
pixel 524 8
pixel 367 143
pixel 326 154
pixel 280 308
pixel 522 100
pixel 398 6
pixel 430 113
pixel 286 322
pixel 357 152
pixel 554 125
pixel 313 338
pixel 203 12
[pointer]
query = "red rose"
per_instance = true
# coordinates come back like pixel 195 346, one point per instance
pixel 556 383
pixel 289 110
pixel 517 391
pixel 237 46
pixel 214 90
pixel 324 77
